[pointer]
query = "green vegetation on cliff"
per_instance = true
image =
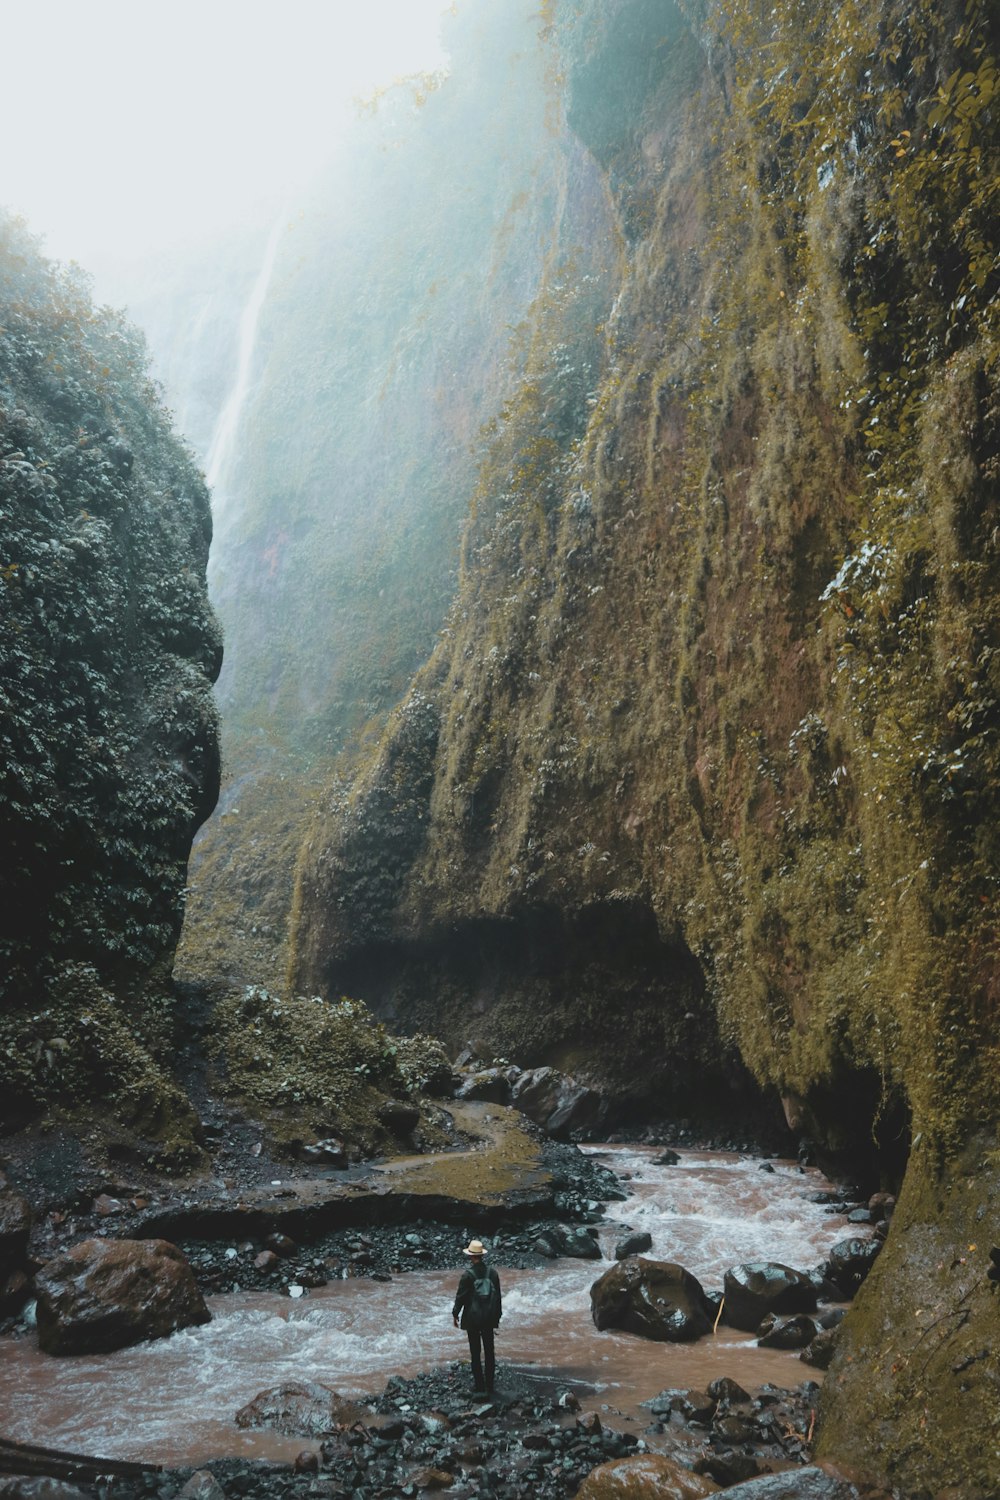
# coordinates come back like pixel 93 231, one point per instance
pixel 385 344
pixel 724 663
pixel 108 733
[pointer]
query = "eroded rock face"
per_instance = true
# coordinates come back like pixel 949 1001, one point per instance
pixel 107 1294
pixel 649 1476
pixel 760 1287
pixel 655 1299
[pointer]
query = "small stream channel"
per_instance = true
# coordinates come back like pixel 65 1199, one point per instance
pixel 174 1400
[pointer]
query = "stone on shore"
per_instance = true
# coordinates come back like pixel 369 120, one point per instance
pixel 648 1476
pixel 106 1294
pixel 299 1408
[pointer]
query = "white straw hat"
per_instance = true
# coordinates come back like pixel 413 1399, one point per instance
pixel 475 1247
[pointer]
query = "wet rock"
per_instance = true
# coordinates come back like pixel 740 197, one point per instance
pixel 38 1487
pixel 280 1244
pixel 733 1429
pixel 634 1244
pixel 580 1244
pixel 266 1260
pixel 820 1350
pixel 487 1087
pixel 760 1287
pixel 697 1406
pixel 563 1107
pixel 797 1484
pixel 15 1227
pixel 299 1408
pixel 728 1467
pixel 107 1294
pixel 729 1391
pixel 668 1158
pixel 788 1333
pixel 432 1479
pixel 850 1261
pixel 647 1476
pixel 14 1292
pixel 326 1153
pixel 399 1116
pixel 654 1299
pixel 306 1462
pixel 881 1206
pixel 202 1485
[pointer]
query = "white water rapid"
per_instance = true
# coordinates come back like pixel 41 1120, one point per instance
pixel 174 1400
pixel 227 425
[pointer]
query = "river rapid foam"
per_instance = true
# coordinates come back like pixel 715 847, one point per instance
pixel 174 1400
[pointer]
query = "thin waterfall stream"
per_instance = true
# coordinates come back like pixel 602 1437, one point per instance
pixel 174 1400
pixel 226 427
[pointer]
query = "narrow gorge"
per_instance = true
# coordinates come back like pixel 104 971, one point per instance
pixel 604 455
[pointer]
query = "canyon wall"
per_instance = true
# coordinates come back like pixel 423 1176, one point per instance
pixel 109 734
pixel 392 330
pixel 704 765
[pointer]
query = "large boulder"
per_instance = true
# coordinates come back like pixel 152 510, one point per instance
pixel 563 1107
pixel 760 1287
pixel 653 1298
pixel 647 1476
pixel 106 1294
pixel 299 1408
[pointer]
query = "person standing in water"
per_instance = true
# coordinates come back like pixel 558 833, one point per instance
pixel 478 1303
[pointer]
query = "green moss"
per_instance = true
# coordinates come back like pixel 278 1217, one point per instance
pixel 917 1352
pixel 80 1047
pixel 303 1064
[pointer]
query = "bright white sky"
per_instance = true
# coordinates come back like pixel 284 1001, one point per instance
pixel 129 125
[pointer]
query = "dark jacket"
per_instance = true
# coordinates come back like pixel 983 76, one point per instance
pixel 463 1298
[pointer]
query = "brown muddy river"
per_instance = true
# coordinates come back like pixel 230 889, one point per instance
pixel 174 1400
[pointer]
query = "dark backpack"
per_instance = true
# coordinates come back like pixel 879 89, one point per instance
pixel 481 1303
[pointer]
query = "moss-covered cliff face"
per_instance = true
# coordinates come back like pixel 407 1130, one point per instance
pixel 713 729
pixel 384 345
pixel 108 651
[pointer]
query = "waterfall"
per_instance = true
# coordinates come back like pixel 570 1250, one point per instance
pixel 225 428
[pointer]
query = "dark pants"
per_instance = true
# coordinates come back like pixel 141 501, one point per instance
pixel 481 1339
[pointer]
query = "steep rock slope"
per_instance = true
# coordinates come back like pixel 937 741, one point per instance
pixel 714 730
pixel 384 345
pixel 109 734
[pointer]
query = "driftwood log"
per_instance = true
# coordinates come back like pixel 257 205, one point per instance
pixel 58 1463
